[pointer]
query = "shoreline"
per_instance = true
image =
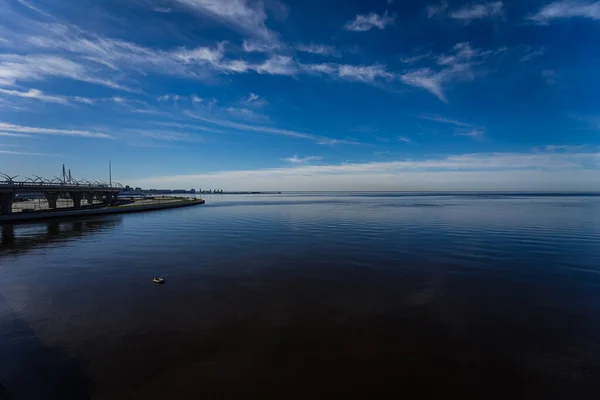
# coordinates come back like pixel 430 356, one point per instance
pixel 72 213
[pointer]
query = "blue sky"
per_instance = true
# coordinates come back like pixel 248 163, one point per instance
pixel 303 95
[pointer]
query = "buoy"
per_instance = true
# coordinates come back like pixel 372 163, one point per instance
pixel 156 279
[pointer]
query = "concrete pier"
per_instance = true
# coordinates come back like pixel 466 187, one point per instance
pixel 76 197
pixel 51 197
pixel 6 202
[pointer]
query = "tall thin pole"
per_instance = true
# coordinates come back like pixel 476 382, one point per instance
pixel 109 174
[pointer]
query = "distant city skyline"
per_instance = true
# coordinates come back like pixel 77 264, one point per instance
pixel 303 94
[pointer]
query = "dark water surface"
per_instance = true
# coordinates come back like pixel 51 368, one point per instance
pixel 307 296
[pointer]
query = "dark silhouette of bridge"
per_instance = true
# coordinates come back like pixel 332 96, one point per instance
pixel 52 189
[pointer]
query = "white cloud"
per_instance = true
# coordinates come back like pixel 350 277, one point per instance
pixel 567 9
pixel 553 147
pixel 405 139
pixel 252 97
pixel 358 73
pixel 367 74
pixel 478 11
pixel 244 16
pixel 16 67
pixel 244 113
pixel 196 99
pixel 533 54
pixel 367 22
pixel 256 46
pixel 266 129
pixel 34 8
pixel 414 59
pixel 7 127
pixel 480 171
pixel 169 136
pixel 445 120
pixel 255 101
pixel 301 160
pixel 37 95
pixel 436 9
pixel 427 79
pixel 22 153
pixel 457 66
pixel 186 126
pixel 475 134
pixel 321 49
pixel 9 134
pixel 277 65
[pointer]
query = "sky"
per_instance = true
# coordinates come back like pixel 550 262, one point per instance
pixel 303 94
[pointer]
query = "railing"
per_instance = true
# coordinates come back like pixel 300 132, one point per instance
pixel 56 183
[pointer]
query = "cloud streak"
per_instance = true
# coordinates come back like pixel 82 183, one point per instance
pixel 301 160
pixel 567 9
pixel 478 11
pixel 41 96
pixel 241 15
pixel 12 128
pixel 363 23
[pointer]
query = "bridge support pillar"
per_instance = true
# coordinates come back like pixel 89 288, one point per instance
pixel 105 197
pixel 6 202
pixel 90 198
pixel 76 197
pixel 52 197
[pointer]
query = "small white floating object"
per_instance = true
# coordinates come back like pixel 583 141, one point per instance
pixel 156 279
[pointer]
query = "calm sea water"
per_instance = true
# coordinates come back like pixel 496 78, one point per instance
pixel 307 296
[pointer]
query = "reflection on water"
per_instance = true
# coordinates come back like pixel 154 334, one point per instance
pixel 30 236
pixel 310 296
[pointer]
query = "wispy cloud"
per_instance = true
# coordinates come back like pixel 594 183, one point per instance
pixel 427 79
pixel 443 120
pixel 170 136
pixel 257 46
pixel 436 9
pixel 9 134
pixel 367 22
pixel 457 65
pixel 37 95
pixel 321 49
pixel 255 101
pixel 567 9
pixel 22 153
pixel 414 59
pixel 252 128
pixel 532 54
pixel 478 11
pixel 34 8
pixel 319 139
pixel 301 160
pixel 405 139
pixel 476 134
pixel 7 127
pixel 554 147
pixel 186 126
pixel 358 73
pixel 277 65
pixel 16 67
pixel 240 15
